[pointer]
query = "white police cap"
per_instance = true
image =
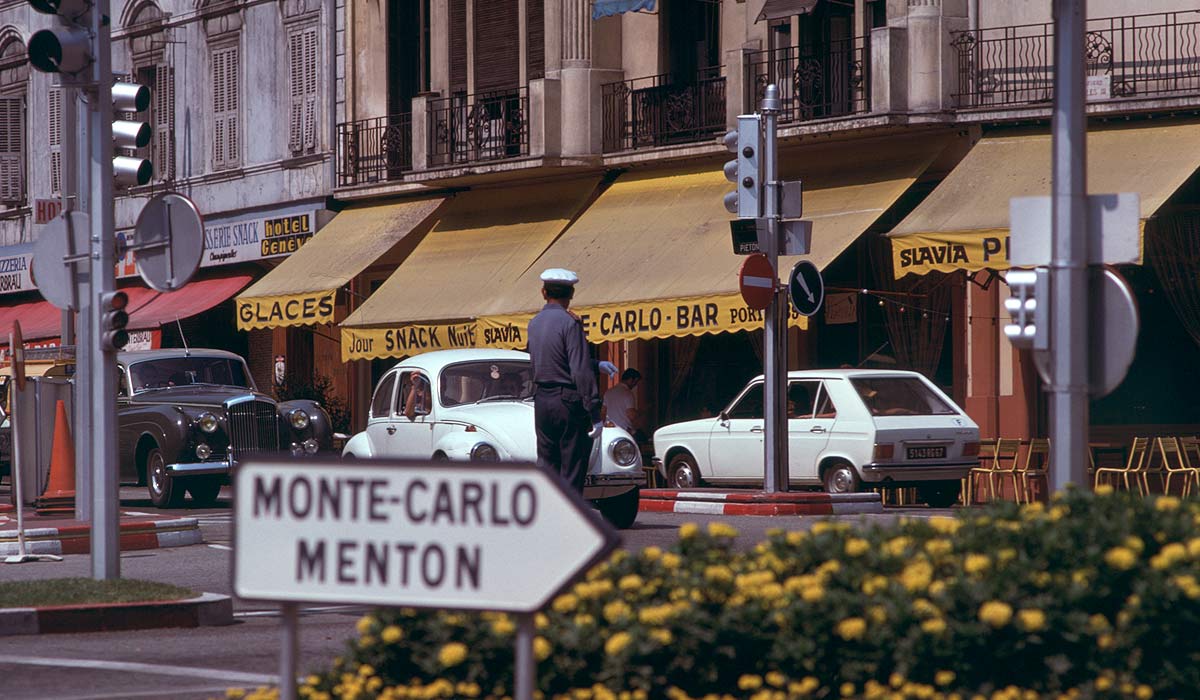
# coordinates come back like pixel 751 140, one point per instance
pixel 557 275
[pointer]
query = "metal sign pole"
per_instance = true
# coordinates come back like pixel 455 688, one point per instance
pixel 81 392
pixel 525 669
pixel 289 651
pixel 775 436
pixel 1069 252
pixel 106 554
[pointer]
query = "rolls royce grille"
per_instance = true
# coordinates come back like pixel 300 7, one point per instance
pixel 253 428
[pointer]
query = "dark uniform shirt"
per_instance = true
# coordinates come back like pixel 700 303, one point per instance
pixel 559 353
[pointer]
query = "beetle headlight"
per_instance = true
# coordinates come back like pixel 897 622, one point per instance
pixel 624 452
pixel 484 452
pixel 299 419
pixel 207 422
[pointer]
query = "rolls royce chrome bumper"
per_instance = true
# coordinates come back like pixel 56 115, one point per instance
pixel 221 468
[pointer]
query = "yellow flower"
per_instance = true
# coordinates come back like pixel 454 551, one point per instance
pixel 1105 641
pixel 812 593
pixel 366 641
pixel 821 527
pixel 1098 623
pixel 996 613
pixel 847 690
pixel 1104 683
pixel 718 573
pixel 617 643
pixel 976 563
pixel 617 610
pixel 937 587
pixel 656 614
pixel 631 582
pixel 896 546
pixel 1166 503
pixel 1120 558
pixel 1193 547
pixel 662 636
pixel 540 621
pixel 671 561
pixel 944 525
pixel 584 620
pixel 916 576
pixel 923 608
pixel 796 537
pixel 452 654
pixel 851 628
pixel 877 613
pixel 1104 490
pixel 391 634
pixel 749 682
pixel 688 530
pixel 776 679
pixel 565 603
pixel 1144 692
pixel 874 584
pixel 1031 620
pixel 934 625
pixel 856 547
pixel 1169 555
pixel 652 553
pixel 944 678
pixel 365 624
pixel 719 529
pixel 541 648
pixel 1135 543
pixel 939 546
pixel 503 626
pixel 1057 512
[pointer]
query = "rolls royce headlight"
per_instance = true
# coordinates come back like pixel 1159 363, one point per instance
pixel 299 419
pixel 207 422
pixel 624 452
pixel 203 451
pixel 484 452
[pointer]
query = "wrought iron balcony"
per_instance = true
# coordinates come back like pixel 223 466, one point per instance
pixel 473 128
pixel 1132 56
pixel 816 81
pixel 658 110
pixel 374 150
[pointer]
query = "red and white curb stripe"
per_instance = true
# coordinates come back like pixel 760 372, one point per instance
pixel 76 539
pixel 758 503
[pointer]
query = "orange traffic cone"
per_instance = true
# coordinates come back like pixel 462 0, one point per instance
pixel 60 491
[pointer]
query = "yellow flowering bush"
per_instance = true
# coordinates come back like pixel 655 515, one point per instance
pixel 1095 596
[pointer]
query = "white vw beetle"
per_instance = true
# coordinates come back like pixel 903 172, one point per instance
pixel 477 405
pixel 846 428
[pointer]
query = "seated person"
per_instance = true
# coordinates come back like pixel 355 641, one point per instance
pixel 416 400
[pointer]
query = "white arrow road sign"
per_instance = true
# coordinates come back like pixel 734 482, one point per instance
pixel 502 537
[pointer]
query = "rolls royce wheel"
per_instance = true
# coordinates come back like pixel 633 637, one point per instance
pixel 940 494
pixel 682 472
pixel 840 477
pixel 204 490
pixel 621 510
pixel 165 492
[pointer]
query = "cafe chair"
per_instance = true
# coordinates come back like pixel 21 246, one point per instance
pixel 987 454
pixel 1186 462
pixel 1004 463
pixel 1152 465
pixel 1036 464
pixel 1137 457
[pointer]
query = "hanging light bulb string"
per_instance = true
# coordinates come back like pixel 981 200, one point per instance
pixel 905 306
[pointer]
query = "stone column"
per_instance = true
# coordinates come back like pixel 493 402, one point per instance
pixel 931 59
pixel 581 104
pixel 439 49
pixel 421 126
pixel 545 117
pixel 889 70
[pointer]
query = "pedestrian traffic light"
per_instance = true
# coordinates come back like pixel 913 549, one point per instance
pixel 746 170
pixel 130 171
pixel 1027 308
pixel 113 319
pixel 66 49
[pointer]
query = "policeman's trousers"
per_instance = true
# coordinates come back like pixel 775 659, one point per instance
pixel 562 425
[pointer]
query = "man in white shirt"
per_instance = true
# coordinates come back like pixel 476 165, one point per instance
pixel 619 404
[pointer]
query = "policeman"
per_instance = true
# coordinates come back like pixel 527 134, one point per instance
pixel 566 401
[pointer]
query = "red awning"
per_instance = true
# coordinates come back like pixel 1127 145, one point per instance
pixel 151 309
pixel 39 319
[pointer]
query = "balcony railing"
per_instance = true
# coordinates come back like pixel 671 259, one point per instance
pixel 659 111
pixel 374 150
pixel 816 81
pixel 1132 56
pixel 472 128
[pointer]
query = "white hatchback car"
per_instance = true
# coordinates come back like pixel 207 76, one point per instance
pixel 846 428
pixel 477 405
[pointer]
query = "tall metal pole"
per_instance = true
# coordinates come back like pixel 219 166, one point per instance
pixel 75 186
pixel 774 331
pixel 525 666
pixel 106 559
pixel 1069 251
pixel 69 138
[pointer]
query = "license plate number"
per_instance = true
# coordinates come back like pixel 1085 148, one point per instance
pixel 930 452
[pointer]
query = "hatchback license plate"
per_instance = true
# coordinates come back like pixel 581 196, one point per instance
pixel 931 452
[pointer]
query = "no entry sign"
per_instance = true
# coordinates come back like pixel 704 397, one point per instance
pixel 757 281
pixel 501 537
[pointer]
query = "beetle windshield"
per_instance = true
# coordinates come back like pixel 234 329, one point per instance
pixel 900 396
pixel 181 371
pixel 473 382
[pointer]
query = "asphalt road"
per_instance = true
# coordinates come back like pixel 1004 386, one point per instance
pixel 190 664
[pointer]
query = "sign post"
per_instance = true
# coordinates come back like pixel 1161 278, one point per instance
pixel 505 537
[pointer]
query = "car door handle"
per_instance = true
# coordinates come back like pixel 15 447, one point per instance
pixel 756 429
pixel 391 430
pixel 816 429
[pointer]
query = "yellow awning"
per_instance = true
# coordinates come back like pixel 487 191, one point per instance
pixel 963 224
pixel 484 240
pixel 300 291
pixel 654 253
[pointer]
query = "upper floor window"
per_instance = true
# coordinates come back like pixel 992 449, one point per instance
pixel 14 77
pixel 303 67
pixel 226 103
pixel 147 43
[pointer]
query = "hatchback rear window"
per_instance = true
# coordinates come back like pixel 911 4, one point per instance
pixel 900 396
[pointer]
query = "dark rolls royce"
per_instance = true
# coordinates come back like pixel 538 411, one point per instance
pixel 187 416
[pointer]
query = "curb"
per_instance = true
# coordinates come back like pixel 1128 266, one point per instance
pixel 758 502
pixel 76 539
pixel 205 610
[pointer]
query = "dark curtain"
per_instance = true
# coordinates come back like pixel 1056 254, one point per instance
pixel 1173 246
pixel 916 311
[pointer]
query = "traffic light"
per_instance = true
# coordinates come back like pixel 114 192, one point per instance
pixel 66 49
pixel 746 170
pixel 130 171
pixel 1028 307
pixel 113 319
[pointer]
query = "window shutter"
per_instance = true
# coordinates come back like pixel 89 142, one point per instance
pixel 458 45
pixel 218 91
pixel 164 123
pixel 226 142
pixel 12 150
pixel 310 89
pixel 535 16
pixel 497 56
pixel 296 107
pixel 232 95
pixel 55 123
